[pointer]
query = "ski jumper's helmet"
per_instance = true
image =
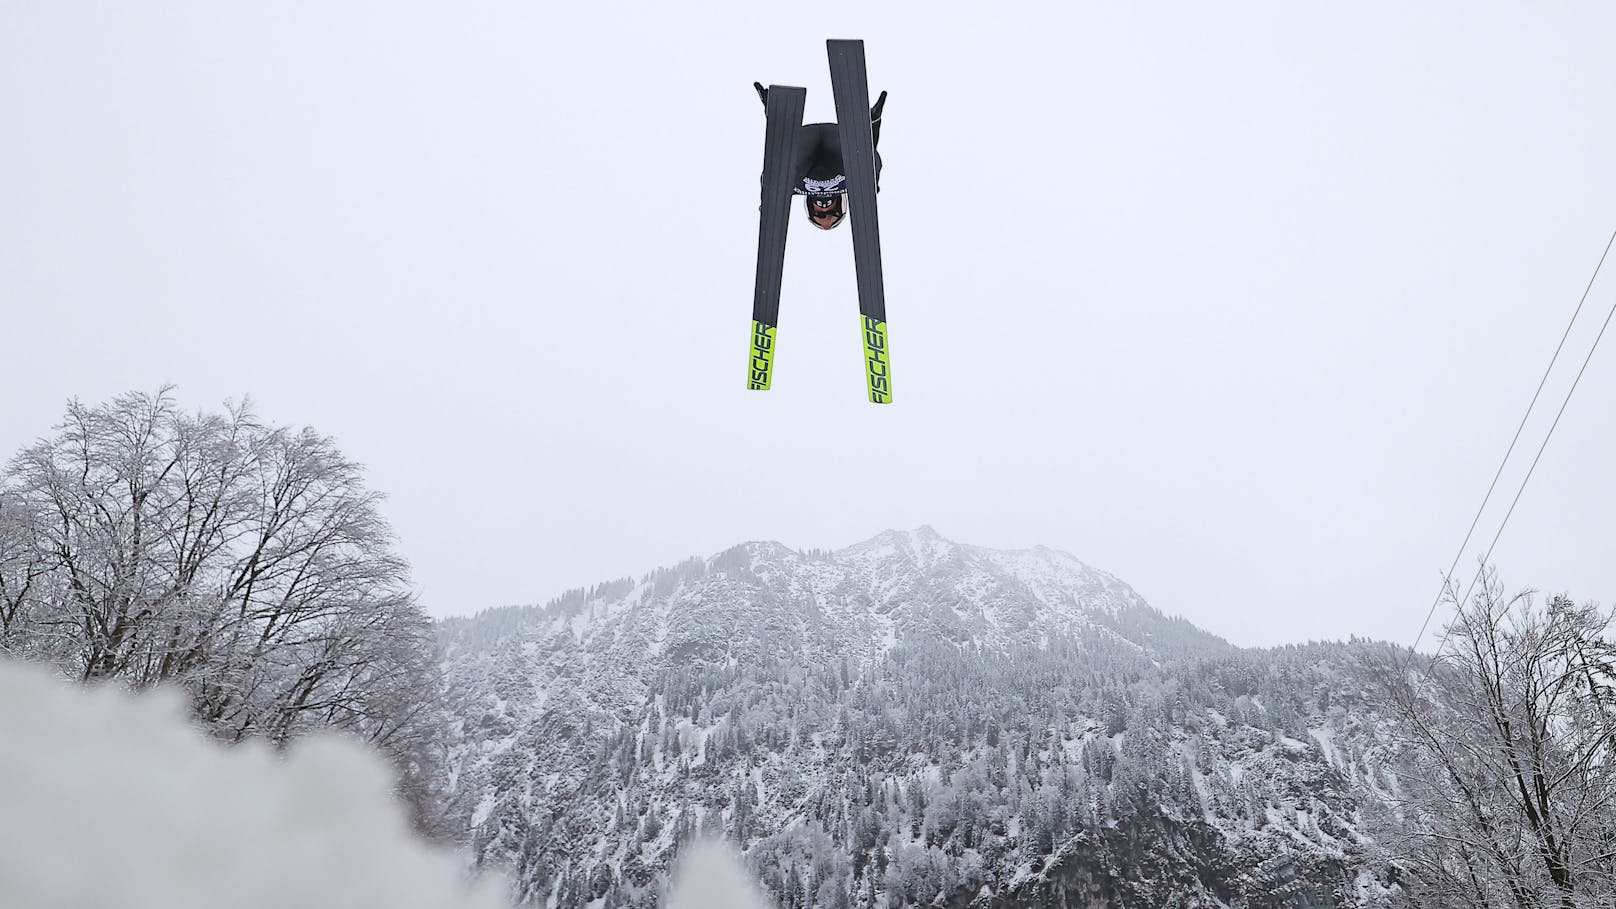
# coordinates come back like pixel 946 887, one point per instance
pixel 825 210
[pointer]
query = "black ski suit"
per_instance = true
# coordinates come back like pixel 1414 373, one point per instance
pixel 818 168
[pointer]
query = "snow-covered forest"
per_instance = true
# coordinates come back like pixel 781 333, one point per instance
pixel 912 721
pixel 907 721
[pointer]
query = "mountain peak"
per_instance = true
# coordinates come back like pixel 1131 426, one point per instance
pixel 923 532
pixel 923 547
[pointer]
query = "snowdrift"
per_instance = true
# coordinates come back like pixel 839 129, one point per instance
pixel 111 799
pixel 114 799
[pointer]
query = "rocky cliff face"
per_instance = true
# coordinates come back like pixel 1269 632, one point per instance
pixel 909 721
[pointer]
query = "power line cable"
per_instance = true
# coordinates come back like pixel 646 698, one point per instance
pixel 1547 436
pixel 1448 578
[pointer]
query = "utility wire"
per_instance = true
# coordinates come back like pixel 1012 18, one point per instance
pixel 1481 568
pixel 1448 578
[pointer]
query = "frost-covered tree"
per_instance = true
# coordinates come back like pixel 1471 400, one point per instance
pixel 1508 771
pixel 246 562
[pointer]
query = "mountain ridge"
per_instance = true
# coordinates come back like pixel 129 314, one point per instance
pixel 1040 569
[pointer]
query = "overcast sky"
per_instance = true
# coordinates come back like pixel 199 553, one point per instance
pixel 1240 302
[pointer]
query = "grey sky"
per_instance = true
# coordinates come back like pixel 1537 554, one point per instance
pixel 1240 302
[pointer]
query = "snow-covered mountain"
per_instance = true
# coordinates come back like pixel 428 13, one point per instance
pixel 908 720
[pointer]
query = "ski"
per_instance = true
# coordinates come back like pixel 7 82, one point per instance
pixel 783 114
pixel 850 85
